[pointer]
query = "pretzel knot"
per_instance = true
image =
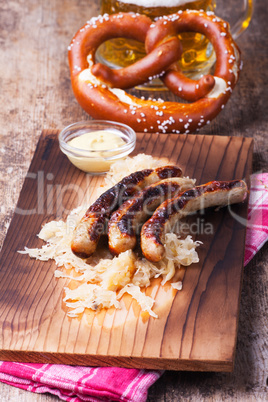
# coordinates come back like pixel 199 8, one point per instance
pixel 100 90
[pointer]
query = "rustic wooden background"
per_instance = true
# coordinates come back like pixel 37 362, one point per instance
pixel 35 94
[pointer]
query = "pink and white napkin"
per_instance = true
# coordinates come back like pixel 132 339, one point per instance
pixel 257 225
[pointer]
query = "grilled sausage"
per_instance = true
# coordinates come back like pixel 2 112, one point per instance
pixel 125 222
pixel 214 193
pixel 88 231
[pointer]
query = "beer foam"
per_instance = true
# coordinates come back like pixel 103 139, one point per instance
pixel 157 3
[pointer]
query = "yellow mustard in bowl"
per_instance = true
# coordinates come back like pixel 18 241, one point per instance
pixel 94 145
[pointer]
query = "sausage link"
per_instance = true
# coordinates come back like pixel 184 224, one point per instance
pixel 88 231
pixel 212 194
pixel 125 222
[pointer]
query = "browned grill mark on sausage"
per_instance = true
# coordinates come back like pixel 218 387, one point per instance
pixel 92 225
pixel 150 194
pixel 126 221
pixel 154 229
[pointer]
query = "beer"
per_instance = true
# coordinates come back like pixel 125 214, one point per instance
pixel 198 55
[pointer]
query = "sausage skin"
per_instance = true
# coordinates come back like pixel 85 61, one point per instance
pixel 215 193
pixel 88 231
pixel 125 222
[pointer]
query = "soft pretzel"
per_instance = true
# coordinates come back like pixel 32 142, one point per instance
pixel 97 88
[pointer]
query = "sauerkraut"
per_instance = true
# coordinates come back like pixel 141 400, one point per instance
pixel 102 280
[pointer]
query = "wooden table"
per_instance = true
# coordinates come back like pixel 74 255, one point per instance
pixel 36 94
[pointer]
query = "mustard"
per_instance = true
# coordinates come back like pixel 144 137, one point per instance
pixel 99 145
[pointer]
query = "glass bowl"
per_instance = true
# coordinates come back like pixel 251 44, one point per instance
pixel 97 161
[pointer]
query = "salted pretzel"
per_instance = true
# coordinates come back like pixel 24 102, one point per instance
pixel 98 89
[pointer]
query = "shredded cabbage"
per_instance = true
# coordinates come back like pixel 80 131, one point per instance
pixel 102 280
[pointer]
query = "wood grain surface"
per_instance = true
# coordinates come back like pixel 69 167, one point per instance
pixel 36 94
pixel 196 328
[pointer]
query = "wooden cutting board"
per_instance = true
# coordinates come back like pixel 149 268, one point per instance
pixel 197 326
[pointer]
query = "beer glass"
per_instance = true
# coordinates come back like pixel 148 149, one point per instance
pixel 198 55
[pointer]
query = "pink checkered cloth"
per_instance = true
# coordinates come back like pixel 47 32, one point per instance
pixel 77 384
pixel 257 225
